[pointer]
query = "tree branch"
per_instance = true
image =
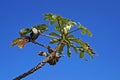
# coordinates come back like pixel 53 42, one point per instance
pixel 39 44
pixel 41 64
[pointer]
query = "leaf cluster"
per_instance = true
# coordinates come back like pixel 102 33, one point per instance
pixel 25 35
pixel 63 31
pixel 69 39
pixel 39 27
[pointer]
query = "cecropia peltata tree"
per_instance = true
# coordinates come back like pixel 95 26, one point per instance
pixel 61 37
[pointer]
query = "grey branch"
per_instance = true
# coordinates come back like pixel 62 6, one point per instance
pixel 33 69
pixel 41 64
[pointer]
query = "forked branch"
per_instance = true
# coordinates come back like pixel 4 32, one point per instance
pixel 41 64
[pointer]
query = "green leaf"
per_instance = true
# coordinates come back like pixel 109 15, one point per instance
pixel 67 42
pixel 89 33
pixel 61 48
pixel 54 16
pixel 71 37
pixel 47 16
pixel 77 40
pixel 75 48
pixel 90 52
pixel 71 22
pixel 85 47
pixel 84 31
pixel 57 27
pixel 42 27
pixel 54 34
pixel 24 32
pixel 81 54
pixel 52 22
pixel 54 41
pixel 51 17
pixel 15 41
pixel 68 51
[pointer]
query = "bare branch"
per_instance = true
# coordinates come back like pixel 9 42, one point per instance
pixel 40 65
pixel 49 58
pixel 39 44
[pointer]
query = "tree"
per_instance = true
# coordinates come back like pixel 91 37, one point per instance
pixel 62 37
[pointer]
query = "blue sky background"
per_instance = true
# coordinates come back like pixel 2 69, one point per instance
pixel 102 17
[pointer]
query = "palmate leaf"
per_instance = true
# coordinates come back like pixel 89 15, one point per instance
pixel 54 34
pixel 25 31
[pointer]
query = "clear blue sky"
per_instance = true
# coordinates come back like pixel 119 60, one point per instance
pixel 102 17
